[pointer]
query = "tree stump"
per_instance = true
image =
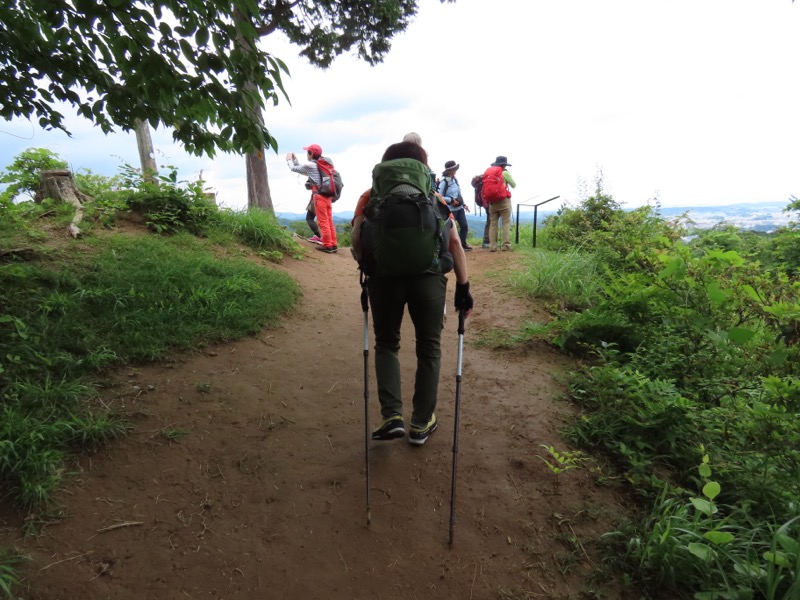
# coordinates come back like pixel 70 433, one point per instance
pixel 59 184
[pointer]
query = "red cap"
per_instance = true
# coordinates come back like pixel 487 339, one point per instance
pixel 315 149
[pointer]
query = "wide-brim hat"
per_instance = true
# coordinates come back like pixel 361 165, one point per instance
pixel 450 165
pixel 501 161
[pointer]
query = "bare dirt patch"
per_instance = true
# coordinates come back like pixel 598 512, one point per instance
pixel 245 474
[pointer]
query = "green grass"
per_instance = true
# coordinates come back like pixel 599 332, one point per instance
pixel 8 572
pixel 567 278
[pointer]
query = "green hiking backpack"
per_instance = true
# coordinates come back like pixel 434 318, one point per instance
pixel 405 231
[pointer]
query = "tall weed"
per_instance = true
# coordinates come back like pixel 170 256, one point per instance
pixel 568 278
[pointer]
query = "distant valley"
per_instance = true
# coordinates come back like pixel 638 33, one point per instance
pixel 761 216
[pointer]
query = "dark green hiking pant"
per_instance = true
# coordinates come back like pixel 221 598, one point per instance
pixel 425 297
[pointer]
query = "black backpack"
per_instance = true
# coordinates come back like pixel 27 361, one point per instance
pixel 477 183
pixel 405 231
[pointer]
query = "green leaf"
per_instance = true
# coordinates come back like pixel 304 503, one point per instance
pixel 202 36
pixel 705 471
pixel 711 490
pixel 701 551
pixel 777 558
pixel 751 292
pixel 739 335
pixel 788 543
pixel 719 537
pixel 749 569
pixel 704 506
pixel 778 357
pixel 716 294
pixel 675 268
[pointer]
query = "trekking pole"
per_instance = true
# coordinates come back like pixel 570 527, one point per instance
pixel 461 318
pixel 365 308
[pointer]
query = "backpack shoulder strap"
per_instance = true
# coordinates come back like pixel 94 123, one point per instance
pixel 446 185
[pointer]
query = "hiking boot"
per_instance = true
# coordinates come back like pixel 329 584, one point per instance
pixel 390 429
pixel 316 239
pixel 328 249
pixel 485 245
pixel 418 434
pixel 467 247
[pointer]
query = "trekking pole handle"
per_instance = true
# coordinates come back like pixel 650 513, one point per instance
pixel 461 318
pixel 364 295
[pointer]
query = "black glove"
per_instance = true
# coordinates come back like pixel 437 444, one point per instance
pixel 463 297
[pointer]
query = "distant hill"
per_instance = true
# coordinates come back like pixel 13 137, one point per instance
pixel 758 216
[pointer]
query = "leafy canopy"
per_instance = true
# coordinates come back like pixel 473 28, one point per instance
pixel 193 65
pixel 162 61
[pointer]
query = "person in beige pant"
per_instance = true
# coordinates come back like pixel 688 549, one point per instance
pixel 501 210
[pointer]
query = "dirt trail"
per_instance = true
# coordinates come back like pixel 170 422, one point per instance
pixel 265 495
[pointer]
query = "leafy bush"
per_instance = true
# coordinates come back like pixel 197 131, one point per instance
pixel 23 175
pixel 689 341
pixel 170 206
pixel 692 543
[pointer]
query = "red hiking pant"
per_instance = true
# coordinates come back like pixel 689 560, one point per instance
pixel 324 209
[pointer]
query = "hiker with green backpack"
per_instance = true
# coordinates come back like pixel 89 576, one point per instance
pixel 404 242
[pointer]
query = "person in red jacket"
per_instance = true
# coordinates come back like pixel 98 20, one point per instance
pixel 499 201
pixel 322 204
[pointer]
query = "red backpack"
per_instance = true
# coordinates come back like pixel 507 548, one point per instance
pixel 331 185
pixel 494 186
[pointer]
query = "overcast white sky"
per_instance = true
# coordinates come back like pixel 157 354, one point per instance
pixel 695 101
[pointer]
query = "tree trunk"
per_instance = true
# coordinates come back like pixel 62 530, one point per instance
pixel 147 156
pixel 59 184
pixel 258 194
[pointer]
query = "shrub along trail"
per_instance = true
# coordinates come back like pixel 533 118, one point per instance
pixel 244 475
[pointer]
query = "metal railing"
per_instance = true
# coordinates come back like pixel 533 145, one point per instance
pixel 535 216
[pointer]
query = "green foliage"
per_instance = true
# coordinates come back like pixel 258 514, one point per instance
pixel 170 206
pixel 794 204
pixel 8 573
pixel 98 186
pixel 688 341
pixel 195 66
pixel 259 230
pixel 176 64
pixel 718 551
pixel 23 175
pixel 568 278
pixel 559 461
pixel 173 434
pixel 621 239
